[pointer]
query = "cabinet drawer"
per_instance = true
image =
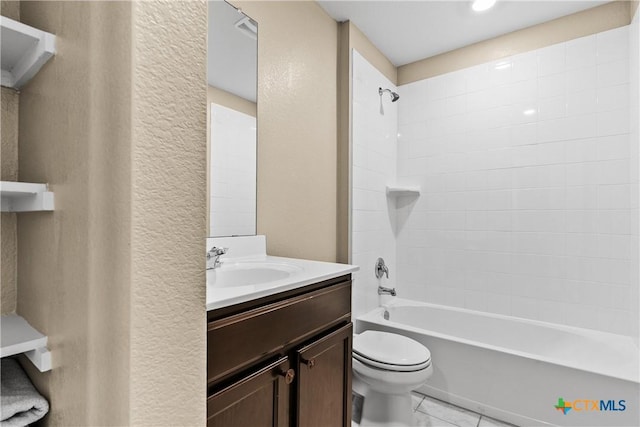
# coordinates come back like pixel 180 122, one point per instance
pixel 238 341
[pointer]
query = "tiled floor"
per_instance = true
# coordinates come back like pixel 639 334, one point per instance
pixel 429 412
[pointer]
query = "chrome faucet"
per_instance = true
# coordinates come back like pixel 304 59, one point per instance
pixel 213 256
pixel 381 269
pixel 386 291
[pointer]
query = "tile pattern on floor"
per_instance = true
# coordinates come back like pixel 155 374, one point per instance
pixel 430 412
pixel 453 415
pixel 490 422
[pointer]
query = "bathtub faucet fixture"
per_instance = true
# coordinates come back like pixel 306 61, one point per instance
pixel 381 269
pixel 386 291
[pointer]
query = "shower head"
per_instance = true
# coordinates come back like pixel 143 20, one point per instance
pixel 394 96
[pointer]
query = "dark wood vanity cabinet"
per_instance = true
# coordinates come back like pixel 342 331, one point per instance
pixel 323 387
pixel 283 360
pixel 259 399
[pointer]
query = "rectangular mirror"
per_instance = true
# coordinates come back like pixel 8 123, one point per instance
pixel 232 58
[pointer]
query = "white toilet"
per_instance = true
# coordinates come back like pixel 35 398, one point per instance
pixel 387 367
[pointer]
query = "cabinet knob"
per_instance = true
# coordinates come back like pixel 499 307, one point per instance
pixel 310 363
pixel 288 375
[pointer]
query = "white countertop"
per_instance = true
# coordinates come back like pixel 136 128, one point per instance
pixel 310 272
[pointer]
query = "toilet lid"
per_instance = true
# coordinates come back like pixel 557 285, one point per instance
pixel 390 349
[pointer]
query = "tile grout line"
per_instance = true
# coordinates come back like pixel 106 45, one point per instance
pixel 448 405
pixel 438 418
pixel 441 419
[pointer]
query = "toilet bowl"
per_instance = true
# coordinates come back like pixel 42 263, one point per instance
pixel 387 367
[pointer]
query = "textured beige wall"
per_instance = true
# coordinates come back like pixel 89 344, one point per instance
pixel 590 21
pixel 168 317
pixel 297 127
pixel 10 9
pixel 343 191
pixel 9 172
pixel 115 275
pixel 9 132
pixel 74 264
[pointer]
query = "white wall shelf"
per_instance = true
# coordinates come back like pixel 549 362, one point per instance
pixel 403 190
pixel 25 197
pixel 17 336
pixel 24 51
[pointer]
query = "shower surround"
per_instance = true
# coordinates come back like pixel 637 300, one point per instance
pixel 374 156
pixel 528 169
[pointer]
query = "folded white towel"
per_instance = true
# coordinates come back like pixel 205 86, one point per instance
pixel 21 404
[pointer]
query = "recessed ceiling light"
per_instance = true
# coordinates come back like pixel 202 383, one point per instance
pixel 529 112
pixel 482 5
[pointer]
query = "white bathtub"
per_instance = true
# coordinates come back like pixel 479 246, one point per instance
pixel 516 369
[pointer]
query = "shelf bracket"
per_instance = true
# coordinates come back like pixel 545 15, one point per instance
pixel 41 358
pixel 17 336
pixel 25 197
pixel 36 48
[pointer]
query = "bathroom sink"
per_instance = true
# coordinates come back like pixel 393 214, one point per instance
pixel 249 273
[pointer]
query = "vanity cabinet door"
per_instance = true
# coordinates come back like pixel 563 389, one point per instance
pixel 260 399
pixel 323 391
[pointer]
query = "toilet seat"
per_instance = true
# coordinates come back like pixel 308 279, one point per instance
pixel 390 352
pixel 390 367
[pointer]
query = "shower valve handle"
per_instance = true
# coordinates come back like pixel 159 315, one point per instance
pixel 381 269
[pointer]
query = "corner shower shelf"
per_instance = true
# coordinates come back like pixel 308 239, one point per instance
pixel 25 197
pixel 24 51
pixel 403 190
pixel 17 336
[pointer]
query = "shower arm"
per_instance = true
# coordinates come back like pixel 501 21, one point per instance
pixel 394 95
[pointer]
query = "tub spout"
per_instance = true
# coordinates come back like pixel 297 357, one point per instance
pixel 386 291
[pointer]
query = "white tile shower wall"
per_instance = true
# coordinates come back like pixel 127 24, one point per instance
pixel 374 159
pixel 233 173
pixel 526 170
pixel 634 122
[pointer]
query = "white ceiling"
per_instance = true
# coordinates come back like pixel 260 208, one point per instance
pixel 407 31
